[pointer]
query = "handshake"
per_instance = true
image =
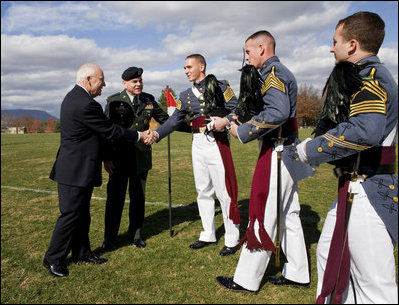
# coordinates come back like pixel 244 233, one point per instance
pixel 149 137
pixel 220 124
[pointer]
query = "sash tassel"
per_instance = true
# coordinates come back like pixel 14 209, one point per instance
pixel 234 212
pixel 257 202
pixel 250 238
pixel 230 175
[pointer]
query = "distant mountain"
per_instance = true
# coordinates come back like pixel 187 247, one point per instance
pixel 17 113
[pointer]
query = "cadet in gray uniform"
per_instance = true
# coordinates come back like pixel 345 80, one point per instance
pixel 131 108
pixel 276 128
pixel 363 149
pixel 209 171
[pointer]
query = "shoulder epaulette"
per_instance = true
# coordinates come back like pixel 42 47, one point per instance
pixel 178 104
pixel 272 81
pixel 111 97
pixel 371 97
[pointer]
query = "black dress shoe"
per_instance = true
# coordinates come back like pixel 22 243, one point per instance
pixel 94 259
pixel 200 244
pixel 139 243
pixel 229 250
pixel 281 280
pixel 56 270
pixel 228 283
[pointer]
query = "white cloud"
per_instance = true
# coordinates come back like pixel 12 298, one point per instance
pixel 43 43
pixel 59 17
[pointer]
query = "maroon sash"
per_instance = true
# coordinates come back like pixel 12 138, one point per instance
pixel 230 174
pixel 260 191
pixel 336 273
pixel 198 122
pixel 257 201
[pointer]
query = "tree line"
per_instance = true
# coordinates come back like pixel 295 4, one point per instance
pixel 309 106
pixel 31 124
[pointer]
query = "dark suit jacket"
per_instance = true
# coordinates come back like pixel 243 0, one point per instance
pixel 83 127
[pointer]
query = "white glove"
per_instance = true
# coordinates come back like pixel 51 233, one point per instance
pixel 301 148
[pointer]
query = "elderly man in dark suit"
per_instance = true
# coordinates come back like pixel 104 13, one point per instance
pixel 77 168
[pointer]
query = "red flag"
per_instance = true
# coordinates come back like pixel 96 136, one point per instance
pixel 170 101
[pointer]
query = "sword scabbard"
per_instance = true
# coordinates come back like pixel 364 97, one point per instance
pixel 277 261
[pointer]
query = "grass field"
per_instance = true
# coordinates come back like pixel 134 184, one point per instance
pixel 166 271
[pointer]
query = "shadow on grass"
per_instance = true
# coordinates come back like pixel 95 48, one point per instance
pixel 158 223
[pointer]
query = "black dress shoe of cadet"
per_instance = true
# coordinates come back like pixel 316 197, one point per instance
pixel 228 283
pixel 139 243
pixel 281 280
pixel 94 259
pixel 200 244
pixel 56 270
pixel 229 250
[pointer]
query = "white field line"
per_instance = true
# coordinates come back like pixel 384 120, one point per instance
pixel 308 219
pixel 17 188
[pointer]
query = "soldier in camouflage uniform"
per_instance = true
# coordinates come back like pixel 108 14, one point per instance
pixel 134 109
pixel 363 149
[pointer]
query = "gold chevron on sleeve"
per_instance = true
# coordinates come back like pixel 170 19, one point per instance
pixel 272 81
pixel 228 93
pixel 372 98
pixel 346 144
pixel 367 107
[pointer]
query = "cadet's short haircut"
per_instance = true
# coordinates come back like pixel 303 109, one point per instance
pixel 366 27
pixel 263 33
pixel 199 58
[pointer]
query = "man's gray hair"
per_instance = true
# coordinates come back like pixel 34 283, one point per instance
pixel 85 71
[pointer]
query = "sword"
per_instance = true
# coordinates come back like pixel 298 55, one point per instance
pixel 279 149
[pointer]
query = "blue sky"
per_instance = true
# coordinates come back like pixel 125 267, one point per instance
pixel 43 43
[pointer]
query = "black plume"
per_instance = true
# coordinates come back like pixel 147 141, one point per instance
pixel 214 98
pixel 342 83
pixel 250 100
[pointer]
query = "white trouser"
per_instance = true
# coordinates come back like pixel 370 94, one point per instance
pixel 252 264
pixel 209 175
pixel 372 261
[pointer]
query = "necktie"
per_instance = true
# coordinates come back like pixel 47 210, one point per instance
pixel 135 103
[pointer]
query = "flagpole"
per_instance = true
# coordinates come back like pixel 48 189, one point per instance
pixel 170 102
pixel 170 190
